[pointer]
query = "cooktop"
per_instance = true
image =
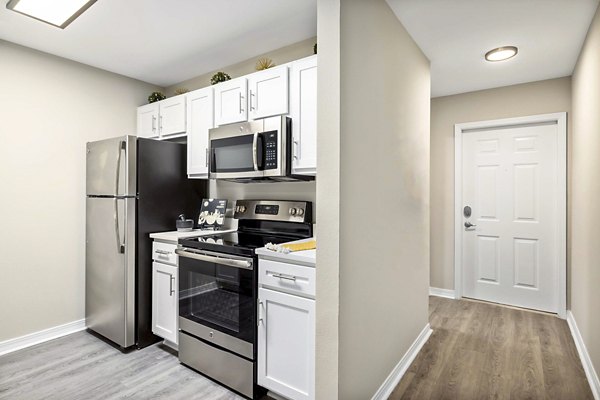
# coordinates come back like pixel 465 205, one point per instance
pixel 242 243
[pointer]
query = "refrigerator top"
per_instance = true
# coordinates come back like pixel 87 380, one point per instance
pixel 111 167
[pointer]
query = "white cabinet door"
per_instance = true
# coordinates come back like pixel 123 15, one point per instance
pixel 147 121
pixel 303 110
pixel 200 115
pixel 164 301
pixel 171 120
pixel 268 92
pixel 230 101
pixel 286 344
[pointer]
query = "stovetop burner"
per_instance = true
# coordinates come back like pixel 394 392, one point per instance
pixel 259 222
pixel 240 243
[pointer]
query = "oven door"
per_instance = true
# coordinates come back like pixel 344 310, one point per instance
pixel 216 291
pixel 239 156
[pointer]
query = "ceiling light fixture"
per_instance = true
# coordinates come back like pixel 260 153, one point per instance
pixel 501 53
pixel 57 13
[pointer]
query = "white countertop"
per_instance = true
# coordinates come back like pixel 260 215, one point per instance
pixel 174 236
pixel 306 257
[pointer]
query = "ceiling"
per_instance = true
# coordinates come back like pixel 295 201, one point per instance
pixel 456 34
pixel 166 42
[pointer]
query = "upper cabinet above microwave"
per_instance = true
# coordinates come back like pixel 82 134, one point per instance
pixel 268 93
pixel 259 95
pixel 231 101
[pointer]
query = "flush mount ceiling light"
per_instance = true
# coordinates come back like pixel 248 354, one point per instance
pixel 501 53
pixel 59 13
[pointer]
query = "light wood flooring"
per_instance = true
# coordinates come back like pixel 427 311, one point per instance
pixel 485 351
pixel 81 366
pixel 477 351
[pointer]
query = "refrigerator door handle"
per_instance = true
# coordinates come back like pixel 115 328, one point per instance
pixel 120 245
pixel 122 147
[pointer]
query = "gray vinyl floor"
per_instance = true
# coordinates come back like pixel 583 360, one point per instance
pixel 81 366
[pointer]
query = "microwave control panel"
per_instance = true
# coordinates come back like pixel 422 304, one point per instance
pixel 270 150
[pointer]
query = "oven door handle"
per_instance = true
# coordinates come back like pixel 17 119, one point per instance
pixel 217 260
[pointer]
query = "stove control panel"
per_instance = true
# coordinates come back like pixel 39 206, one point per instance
pixel 274 210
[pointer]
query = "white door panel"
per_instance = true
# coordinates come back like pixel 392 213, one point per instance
pixel 510 181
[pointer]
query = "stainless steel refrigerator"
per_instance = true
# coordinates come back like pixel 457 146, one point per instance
pixel 134 187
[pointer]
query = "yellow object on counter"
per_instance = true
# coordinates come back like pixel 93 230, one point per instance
pixel 309 245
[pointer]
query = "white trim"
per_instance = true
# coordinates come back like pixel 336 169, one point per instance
pixel 390 383
pixel 561 120
pixel 439 292
pixel 588 367
pixel 10 345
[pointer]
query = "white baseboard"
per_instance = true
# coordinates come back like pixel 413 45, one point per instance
pixel 8 346
pixel 590 372
pixel 438 292
pixel 388 386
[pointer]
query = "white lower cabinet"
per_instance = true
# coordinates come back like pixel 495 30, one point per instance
pixel 286 344
pixel 165 307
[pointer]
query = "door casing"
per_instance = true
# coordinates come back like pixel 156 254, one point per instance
pixel 560 119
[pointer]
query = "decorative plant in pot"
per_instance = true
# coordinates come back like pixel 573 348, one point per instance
pixel 219 77
pixel 264 63
pixel 156 96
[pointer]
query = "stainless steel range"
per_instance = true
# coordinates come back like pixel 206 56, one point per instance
pixel 218 285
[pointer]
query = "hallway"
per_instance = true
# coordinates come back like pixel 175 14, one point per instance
pixel 484 351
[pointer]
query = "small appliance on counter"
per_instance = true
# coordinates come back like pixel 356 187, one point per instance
pixel 218 290
pixel 184 225
pixel 134 187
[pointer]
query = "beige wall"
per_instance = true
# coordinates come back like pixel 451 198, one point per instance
pixel 50 108
pixel 585 173
pixel 384 196
pixel 279 56
pixel 512 101
pixel 328 198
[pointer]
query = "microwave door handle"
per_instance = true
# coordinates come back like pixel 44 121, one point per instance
pixel 255 151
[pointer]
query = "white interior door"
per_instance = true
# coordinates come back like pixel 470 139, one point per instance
pixel 513 182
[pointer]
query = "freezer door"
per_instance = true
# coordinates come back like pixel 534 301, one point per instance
pixel 110 268
pixel 110 167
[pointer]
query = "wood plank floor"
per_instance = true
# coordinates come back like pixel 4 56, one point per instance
pixel 81 366
pixel 485 351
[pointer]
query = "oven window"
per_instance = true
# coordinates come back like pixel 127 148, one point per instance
pixel 217 296
pixel 233 154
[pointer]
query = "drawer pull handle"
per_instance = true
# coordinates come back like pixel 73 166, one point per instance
pixel 163 252
pixel 287 277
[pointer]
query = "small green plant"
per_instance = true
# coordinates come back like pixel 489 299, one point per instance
pixel 219 77
pixel 156 96
pixel 264 63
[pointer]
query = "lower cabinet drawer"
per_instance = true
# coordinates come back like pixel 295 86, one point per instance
pixel 224 367
pixel 164 253
pixel 290 277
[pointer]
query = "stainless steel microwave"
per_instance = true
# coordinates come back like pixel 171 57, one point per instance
pixel 252 151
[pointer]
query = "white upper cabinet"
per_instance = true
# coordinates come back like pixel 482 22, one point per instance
pixel 147 121
pixel 231 102
pixel 303 111
pixel 268 92
pixel 171 119
pixel 200 118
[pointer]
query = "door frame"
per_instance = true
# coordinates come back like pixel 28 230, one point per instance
pixel 560 119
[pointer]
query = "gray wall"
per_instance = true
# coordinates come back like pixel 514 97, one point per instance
pixel 512 101
pixel 383 169
pixel 585 173
pixel 50 108
pixel 279 56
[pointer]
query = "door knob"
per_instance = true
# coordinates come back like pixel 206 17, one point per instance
pixel 469 225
